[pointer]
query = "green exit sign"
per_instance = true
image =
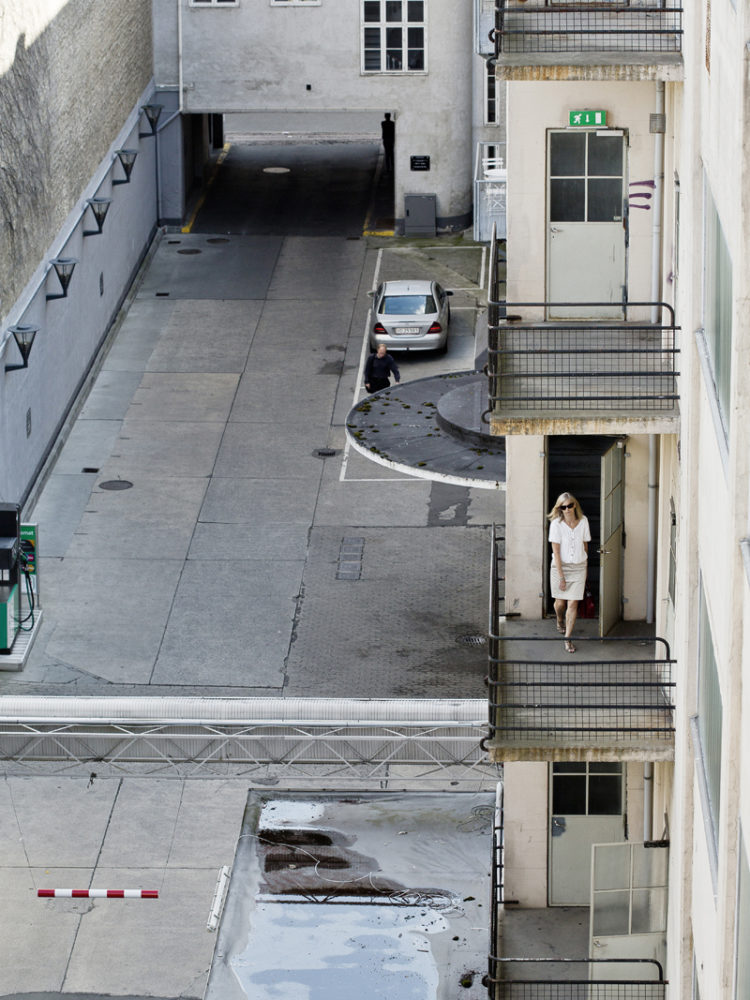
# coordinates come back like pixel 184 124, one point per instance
pixel 587 118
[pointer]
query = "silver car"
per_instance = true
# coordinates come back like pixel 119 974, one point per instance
pixel 411 316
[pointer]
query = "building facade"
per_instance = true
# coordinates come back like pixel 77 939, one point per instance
pixel 620 373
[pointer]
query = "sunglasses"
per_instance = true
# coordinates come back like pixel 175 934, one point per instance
pixel 566 506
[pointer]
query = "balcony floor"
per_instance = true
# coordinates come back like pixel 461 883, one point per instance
pixel 552 932
pixel 601 703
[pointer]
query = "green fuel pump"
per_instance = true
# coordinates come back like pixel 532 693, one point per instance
pixel 10 591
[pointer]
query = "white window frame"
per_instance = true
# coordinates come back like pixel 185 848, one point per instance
pixel 491 104
pixel 214 4
pixel 717 306
pixel 382 25
pixel 295 3
pixel 709 725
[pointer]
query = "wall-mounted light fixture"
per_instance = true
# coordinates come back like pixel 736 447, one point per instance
pixel 24 336
pixel 64 267
pixel 99 208
pixel 152 112
pixel 127 159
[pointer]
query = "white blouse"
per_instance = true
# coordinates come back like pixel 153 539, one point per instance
pixel 571 539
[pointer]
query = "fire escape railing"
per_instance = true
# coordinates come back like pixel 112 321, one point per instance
pixel 567 703
pixel 586 27
pixel 502 986
pixel 564 366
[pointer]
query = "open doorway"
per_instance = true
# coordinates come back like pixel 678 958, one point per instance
pixel 591 467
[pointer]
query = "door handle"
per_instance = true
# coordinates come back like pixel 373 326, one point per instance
pixel 553 229
pixel 603 552
pixel 558 826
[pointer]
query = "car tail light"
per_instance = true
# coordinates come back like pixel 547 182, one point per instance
pixel 435 328
pixel 378 328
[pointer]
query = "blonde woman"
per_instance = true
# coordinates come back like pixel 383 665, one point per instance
pixel 570 535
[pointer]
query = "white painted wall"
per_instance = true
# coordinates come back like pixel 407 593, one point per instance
pixel 526 840
pixel 535 107
pixel 255 57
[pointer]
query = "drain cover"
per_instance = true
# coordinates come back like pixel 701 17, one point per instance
pixel 324 452
pixel 115 484
pixel 471 640
pixel 190 250
pixel 217 239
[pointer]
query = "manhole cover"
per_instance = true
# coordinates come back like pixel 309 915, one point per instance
pixel 190 250
pixel 324 452
pixel 471 640
pixel 275 170
pixel 217 239
pixel 115 484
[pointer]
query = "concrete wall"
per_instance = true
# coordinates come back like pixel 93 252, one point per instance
pixel 70 72
pixel 532 109
pixel 72 76
pixel 258 57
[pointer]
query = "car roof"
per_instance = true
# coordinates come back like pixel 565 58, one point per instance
pixel 407 287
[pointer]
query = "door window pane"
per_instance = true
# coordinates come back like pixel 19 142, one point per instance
pixel 393 10
pixel 611 913
pixel 567 154
pixel 415 10
pixel 605 155
pixel 372 10
pixel 605 200
pixel 569 795
pixel 567 200
pixel 605 795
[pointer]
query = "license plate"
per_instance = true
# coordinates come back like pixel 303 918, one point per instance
pixel 402 330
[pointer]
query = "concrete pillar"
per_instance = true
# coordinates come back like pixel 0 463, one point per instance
pixel 525 524
pixel 526 833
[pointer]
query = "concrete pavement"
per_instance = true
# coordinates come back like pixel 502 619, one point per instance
pixel 215 572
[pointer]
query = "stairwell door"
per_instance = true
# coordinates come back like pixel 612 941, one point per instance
pixel 586 808
pixel 611 536
pixel 586 222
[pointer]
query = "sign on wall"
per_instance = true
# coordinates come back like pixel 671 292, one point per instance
pixel 587 118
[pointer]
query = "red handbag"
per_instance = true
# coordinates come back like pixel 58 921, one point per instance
pixel 586 607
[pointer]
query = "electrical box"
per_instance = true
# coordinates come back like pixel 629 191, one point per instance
pixel 421 214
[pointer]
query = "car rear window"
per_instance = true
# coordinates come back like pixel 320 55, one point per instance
pixel 408 305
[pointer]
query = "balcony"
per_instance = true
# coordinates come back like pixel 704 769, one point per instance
pixel 581 377
pixel 613 700
pixel 579 41
pixel 627 917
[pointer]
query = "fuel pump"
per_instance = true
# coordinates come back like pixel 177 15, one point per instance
pixel 10 590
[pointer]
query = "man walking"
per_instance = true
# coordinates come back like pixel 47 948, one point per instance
pixel 388 129
pixel 378 367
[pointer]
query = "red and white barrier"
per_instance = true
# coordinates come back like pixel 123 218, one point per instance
pixel 100 893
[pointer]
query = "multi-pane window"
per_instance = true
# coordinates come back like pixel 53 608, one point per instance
pixel 295 3
pixel 586 176
pixel 214 3
pixel 587 789
pixel 393 36
pixel 718 306
pixel 710 715
pixel 491 117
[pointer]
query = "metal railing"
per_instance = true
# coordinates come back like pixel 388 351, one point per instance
pixel 564 366
pixel 563 703
pixel 550 984
pixel 497 867
pixel 586 27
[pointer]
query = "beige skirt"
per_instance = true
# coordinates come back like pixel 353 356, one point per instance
pixel 575 581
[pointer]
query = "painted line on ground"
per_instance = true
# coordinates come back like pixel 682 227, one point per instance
pixel 201 200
